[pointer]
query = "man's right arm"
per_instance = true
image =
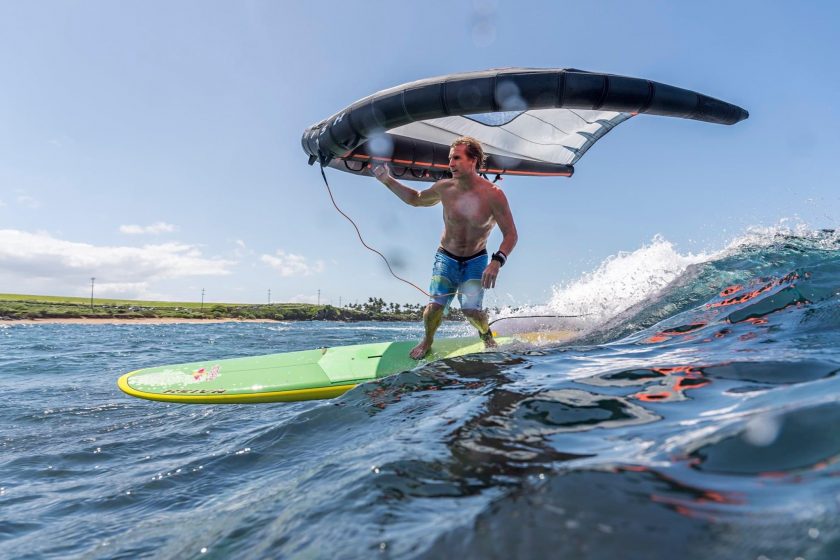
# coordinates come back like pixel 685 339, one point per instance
pixel 428 197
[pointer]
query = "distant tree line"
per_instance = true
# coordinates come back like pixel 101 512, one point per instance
pixel 374 309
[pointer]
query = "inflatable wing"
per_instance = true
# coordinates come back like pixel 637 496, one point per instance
pixel 536 122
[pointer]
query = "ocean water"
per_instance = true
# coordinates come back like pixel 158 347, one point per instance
pixel 696 416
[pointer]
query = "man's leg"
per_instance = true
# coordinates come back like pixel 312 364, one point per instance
pixel 432 317
pixel 441 289
pixel 478 319
pixel 471 296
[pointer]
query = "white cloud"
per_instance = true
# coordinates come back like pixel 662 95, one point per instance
pixel 155 228
pixel 2 204
pixel 138 289
pixel 303 298
pixel 288 264
pixel 241 249
pixel 25 255
pixel 121 287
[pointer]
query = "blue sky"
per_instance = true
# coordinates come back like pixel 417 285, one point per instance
pixel 156 145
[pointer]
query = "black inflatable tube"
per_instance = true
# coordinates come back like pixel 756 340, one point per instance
pixel 344 134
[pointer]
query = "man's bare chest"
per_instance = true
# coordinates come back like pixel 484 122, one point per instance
pixel 467 209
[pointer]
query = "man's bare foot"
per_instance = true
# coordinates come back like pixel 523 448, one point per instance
pixel 419 352
pixel 487 338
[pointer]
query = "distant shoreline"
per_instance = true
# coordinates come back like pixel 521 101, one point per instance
pixel 36 309
pixel 128 320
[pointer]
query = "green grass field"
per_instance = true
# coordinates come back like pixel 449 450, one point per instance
pixel 100 301
pixel 24 306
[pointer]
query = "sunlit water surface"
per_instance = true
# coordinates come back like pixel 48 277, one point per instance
pixel 696 417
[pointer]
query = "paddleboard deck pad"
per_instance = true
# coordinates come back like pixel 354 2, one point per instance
pixel 304 375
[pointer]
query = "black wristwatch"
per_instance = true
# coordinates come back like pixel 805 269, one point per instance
pixel 499 257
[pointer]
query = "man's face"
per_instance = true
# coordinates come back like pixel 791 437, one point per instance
pixel 459 162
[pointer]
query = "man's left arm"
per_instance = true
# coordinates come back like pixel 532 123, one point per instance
pixel 504 219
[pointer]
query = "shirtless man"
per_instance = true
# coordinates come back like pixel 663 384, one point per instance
pixel 471 207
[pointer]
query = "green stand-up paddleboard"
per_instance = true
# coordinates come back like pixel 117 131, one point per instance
pixel 296 376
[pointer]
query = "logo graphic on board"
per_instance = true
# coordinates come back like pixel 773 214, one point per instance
pixel 202 374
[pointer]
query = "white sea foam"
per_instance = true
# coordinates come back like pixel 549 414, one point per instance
pixel 765 236
pixel 618 283
pixel 629 278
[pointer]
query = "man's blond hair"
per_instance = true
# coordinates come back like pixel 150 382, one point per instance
pixel 473 149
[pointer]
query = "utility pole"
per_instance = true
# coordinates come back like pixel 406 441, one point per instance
pixel 319 296
pixel 269 296
pixel 202 299
pixel 339 301
pixel 92 280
